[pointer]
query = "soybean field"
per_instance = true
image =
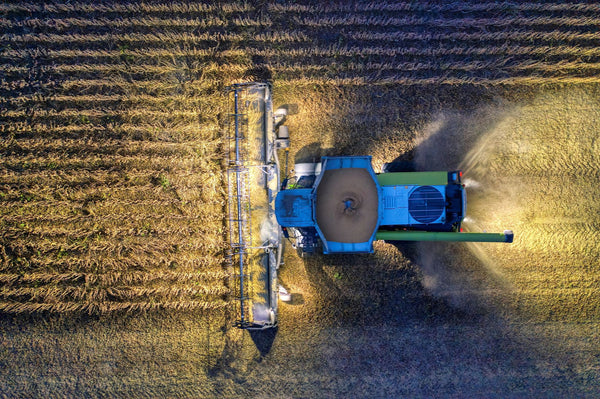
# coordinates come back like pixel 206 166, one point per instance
pixel 114 278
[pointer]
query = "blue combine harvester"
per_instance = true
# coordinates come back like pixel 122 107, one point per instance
pixel 341 206
pixel 338 205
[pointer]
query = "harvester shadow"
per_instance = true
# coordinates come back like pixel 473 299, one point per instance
pixel 263 340
pixel 311 153
pixel 363 290
pixel 446 140
pixel 297 299
pixel 451 273
pixel 430 287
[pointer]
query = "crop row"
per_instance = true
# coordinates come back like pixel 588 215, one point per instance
pixel 107 253
pixel 25 175
pixel 183 113
pixel 436 80
pixel 116 228
pixel 154 120
pixel 133 195
pixel 96 240
pixel 463 23
pixel 90 145
pixel 117 219
pixel 126 24
pixel 131 189
pixel 111 307
pixel 206 44
pixel 194 44
pixel 138 129
pixel 120 278
pixel 111 199
pixel 60 24
pixel 103 129
pixel 527 57
pixel 123 180
pixel 162 39
pixel 79 229
pixel 121 85
pixel 174 101
pixel 497 66
pixel 101 204
pixel 506 50
pixel 97 161
pixel 124 7
pixel 317 8
pixel 434 7
pixel 98 294
pixel 514 35
pixel 51 261
pixel 145 62
pixel 502 69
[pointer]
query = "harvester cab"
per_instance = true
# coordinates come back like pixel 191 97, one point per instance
pixel 337 205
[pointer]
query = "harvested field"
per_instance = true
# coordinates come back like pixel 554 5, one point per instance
pixel 113 272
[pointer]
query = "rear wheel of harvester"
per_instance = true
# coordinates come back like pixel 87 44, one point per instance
pixel 303 254
pixel 283 137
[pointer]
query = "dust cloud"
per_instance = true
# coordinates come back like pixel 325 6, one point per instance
pixel 533 168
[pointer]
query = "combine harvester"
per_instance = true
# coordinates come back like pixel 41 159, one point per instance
pixel 338 205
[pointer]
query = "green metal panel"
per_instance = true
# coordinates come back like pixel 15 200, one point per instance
pixel 413 179
pixel 410 235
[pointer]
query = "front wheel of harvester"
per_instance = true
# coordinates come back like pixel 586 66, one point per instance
pixel 284 295
pixel 303 254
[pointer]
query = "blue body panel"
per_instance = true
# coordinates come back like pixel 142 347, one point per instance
pixel 294 208
pixel 332 247
pixel 395 205
pixel 412 207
